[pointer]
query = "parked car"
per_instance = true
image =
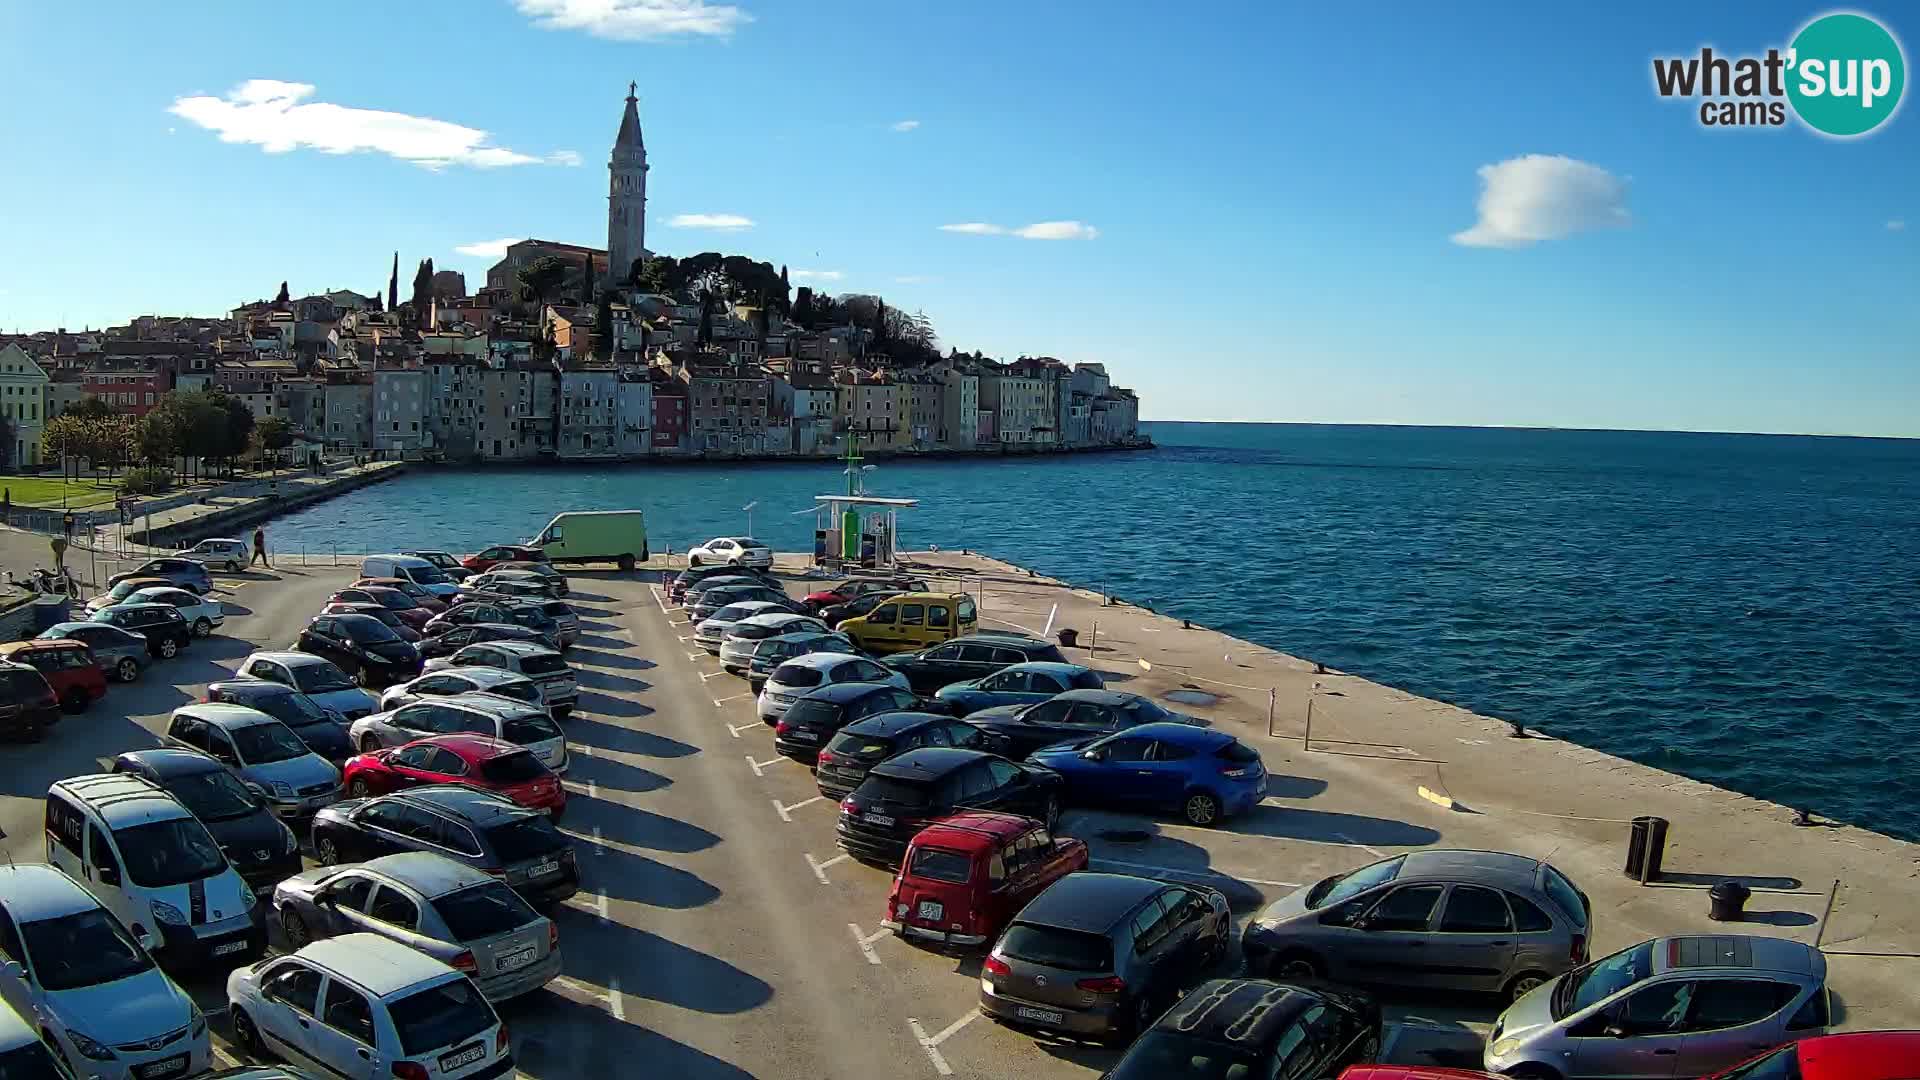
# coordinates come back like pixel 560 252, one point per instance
pixel 420 572
pixel 1019 730
pixel 258 844
pixel 1205 775
pixel 422 597
pixel 503 718
pixel 687 580
pixel 265 753
pixel 737 645
pixel 517 583
pixel 734 600
pixel 165 628
pixel 1856 1055
pixel 391 619
pixel 455 637
pixel 24 1054
pixel 481 561
pixel 444 562
pixel 481 761
pixel 201 613
pixel 529 616
pixel 123 588
pixel 904 794
pixel 710 631
pixel 478 828
pixel 28 705
pixel 732 551
pixel 970 657
pixel 808 672
pixel 182 572
pixel 409 611
pixel 224 552
pixel 1677 1006
pixel 121 654
pixel 835 614
pixel 845 759
pixel 322 729
pixel 472 679
pixel 770 653
pixel 615 536
pixel 1250 1027
pixel 71 965
pixel 565 620
pixel 1507 924
pixel 1103 954
pixel 964 878
pixel 854 588
pixel 715 593
pixel 1410 1072
pixel 820 714
pixel 67 665
pixel 433 905
pixel 1021 684
pixel 539 569
pixel 337 1005
pixel 361 646
pixel 544 666
pixel 315 676
pixel 912 621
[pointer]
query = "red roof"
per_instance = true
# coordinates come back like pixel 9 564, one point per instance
pixel 470 747
pixel 974 830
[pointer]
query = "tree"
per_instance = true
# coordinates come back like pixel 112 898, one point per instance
pixel 603 327
pixel 393 285
pixel 423 292
pixel 542 276
pixel 62 438
pixel 271 434
pixel 880 322
pixel 6 441
pixel 706 318
pixel 282 299
pixel 803 307
pixel 159 436
pixel 661 274
pixel 91 407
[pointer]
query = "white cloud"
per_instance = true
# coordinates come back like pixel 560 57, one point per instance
pixel 564 157
pixel 1896 225
pixel 636 20
pixel 489 249
pixel 722 222
pixel 1538 197
pixel 1039 230
pixel 818 275
pixel 274 116
pixel 905 125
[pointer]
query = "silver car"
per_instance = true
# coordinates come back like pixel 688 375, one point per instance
pixel 708 632
pixel 1680 1006
pixel 1448 920
pixel 460 916
pixel 226 553
pixel 266 753
pixel 122 654
pixel 463 680
pixel 480 714
pixel 314 676
pixel 537 662
pixel 741 639
pixel 203 613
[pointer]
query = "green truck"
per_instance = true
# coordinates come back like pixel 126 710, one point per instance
pixel 615 536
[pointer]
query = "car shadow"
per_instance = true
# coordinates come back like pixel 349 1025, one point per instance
pixel 613 775
pixel 1283 786
pixel 555 1035
pixel 603 658
pixel 618 874
pixel 575 594
pixel 231 608
pixel 590 610
pixel 1679 879
pixel 601 680
pixel 27 769
pixel 632 826
pixel 602 641
pixel 605 736
pixel 649 966
pixel 605 705
pixel 1329 827
pixel 589 624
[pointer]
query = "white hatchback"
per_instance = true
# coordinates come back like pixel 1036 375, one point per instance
pixel 732 551
pixel 364 1005
pixel 804 674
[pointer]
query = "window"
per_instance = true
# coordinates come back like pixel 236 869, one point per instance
pixel 1527 916
pixel 347 1013
pixel 1167 751
pixel 64 824
pixel 1150 925
pixel 350 891
pixel 10 939
pixel 1003 772
pixel 1406 909
pixel 1474 910
pixel 883 615
pixel 1564 895
pixel 446 763
pixel 1657 1010
pixel 1815 1012
pixel 1725 1003
pixel 454 836
pixel 99 851
pixel 392 906
pixel 913 614
pixel 294 985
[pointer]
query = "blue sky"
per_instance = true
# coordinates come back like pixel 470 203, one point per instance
pixel 1257 213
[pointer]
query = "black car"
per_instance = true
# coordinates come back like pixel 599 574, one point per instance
pixel 861 745
pixel 713 600
pixel 264 851
pixel 1251 1027
pixel 834 614
pixel 970 657
pixel 1019 730
pixel 454 637
pixel 28 706
pixel 811 721
pixel 513 613
pixel 485 831
pixel 902 795
pixel 324 731
pixel 166 630
pixel 361 646
pixel 685 581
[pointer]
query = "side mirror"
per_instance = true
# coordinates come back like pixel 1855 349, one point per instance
pixel 1095 755
pixel 107 875
pixel 1615 1031
pixel 16 970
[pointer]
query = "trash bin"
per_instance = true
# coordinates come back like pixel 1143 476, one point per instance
pixel 1646 847
pixel 1729 901
pixel 1069 638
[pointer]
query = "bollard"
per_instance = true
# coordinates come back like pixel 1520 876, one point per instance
pixel 1727 901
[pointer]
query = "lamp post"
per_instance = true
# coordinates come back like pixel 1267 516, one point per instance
pixel 749 509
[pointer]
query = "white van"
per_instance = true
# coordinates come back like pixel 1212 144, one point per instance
pixel 409 568
pixel 155 866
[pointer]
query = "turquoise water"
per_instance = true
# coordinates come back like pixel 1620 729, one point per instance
pixel 1736 608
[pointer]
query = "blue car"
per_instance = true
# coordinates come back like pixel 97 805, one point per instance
pixel 183 573
pixel 1206 775
pixel 1019 684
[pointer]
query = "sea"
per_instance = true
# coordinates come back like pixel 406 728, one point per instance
pixel 1740 609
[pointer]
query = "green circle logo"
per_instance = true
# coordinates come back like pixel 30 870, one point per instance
pixel 1845 74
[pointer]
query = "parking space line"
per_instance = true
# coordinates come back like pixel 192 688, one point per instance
pixel 865 942
pixel 695 656
pixel 760 767
pixel 786 812
pixel 735 729
pixel 711 674
pixel 590 789
pixel 616 1002
pixel 820 868
pixel 1373 851
pixel 1200 872
pixel 730 697
pixel 932 1044
pixel 660 597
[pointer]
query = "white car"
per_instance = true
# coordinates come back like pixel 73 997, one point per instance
pixel 732 551
pixel 226 553
pixel 70 964
pixel 362 1005
pixel 203 613
pixel 447 682
pixel 740 639
pixel 478 714
pixel 708 632
pixel 314 676
pixel 804 674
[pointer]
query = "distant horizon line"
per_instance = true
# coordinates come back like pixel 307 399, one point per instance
pixel 1539 427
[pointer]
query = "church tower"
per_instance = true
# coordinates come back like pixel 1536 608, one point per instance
pixel 627 194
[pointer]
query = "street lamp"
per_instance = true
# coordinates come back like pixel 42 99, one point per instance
pixel 749 509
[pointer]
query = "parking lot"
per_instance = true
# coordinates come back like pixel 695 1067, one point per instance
pixel 721 933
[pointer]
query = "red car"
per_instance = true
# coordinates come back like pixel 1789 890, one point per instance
pixel 392 599
pixel 965 877
pixel 1858 1055
pixel 483 560
pixel 68 665
pixel 474 760
pixel 853 589
pixel 417 593
pixel 1411 1072
pixel 390 619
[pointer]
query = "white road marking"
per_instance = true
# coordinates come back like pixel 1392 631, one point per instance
pixel 730 697
pixel 600 906
pixel 933 1054
pixel 589 789
pixel 226 1059
pixel 735 729
pixel 683 638
pixel 760 767
pixel 786 812
pixel 820 868
pixel 1202 872
pixel 599 842
pixel 660 597
pixel 711 674
pixel 972 1015
pixel 695 655
pixel 1373 851
pixel 866 943
pixel 616 1002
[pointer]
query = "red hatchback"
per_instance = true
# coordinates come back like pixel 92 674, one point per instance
pixel 479 761
pixel 1857 1055
pixel 1411 1072
pixel 965 877
pixel 69 668
pixel 392 599
pixel 483 560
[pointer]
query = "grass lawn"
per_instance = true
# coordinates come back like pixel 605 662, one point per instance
pixel 46 492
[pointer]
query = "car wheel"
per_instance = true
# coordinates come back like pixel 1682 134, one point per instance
pixel 693 560
pixel 202 626
pixel 233 567
pixel 1524 983
pixel 561 712
pixel 1201 808
pixel 127 670
pixel 358 789
pixel 245 1035
pixel 1139 1018
pixel 325 851
pixel 1297 965
pixel 169 648
pixel 626 564
pixel 1531 1071
pixel 295 929
pixel 368 744
pixel 74 700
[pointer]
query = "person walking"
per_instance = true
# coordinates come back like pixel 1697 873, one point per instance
pixel 260 548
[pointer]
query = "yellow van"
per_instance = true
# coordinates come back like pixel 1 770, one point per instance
pixel 912 621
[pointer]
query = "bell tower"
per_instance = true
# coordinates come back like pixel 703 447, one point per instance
pixel 626 194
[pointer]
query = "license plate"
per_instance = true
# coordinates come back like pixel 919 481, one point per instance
pixel 879 819
pixel 229 948
pixel 803 736
pixel 543 869
pixel 931 909
pixel 515 960
pixel 459 1058
pixel 1044 1016
pixel 165 1068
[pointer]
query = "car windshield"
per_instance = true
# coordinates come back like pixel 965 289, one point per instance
pixel 731 613
pixel 542 664
pixel 1162 1053
pixel 913 795
pixel 1054 947
pixel 939 864
pixel 295 710
pixel 264 744
pixel 1337 889
pixel 1142 711
pixel 524 838
pixel 17 685
pixel 320 678
pixel 775 649
pixel 163 853
pixel 427 575
pixel 518 690
pixel 366 630
pixel 29 1062
pixel 392 599
pixel 86 948
pixel 441 1016
pixel 755 633
pixel 867 748
pixel 216 795
pixel 1085 680
pixel 797 675
pixel 1782 1064
pixel 483 911
pixel 809 712
pixel 559 609
pixel 529 728
pixel 1600 980
pixel 513 768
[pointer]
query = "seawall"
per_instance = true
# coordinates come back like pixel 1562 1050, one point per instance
pixel 184 525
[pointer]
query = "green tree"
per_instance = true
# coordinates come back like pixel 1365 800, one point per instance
pixel 271 434
pixel 62 438
pixel 660 274
pixel 281 299
pixel 92 407
pixel 706 317
pixel 539 278
pixel 159 436
pixel 423 292
pixel 6 441
pixel 803 312
pixel 603 327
